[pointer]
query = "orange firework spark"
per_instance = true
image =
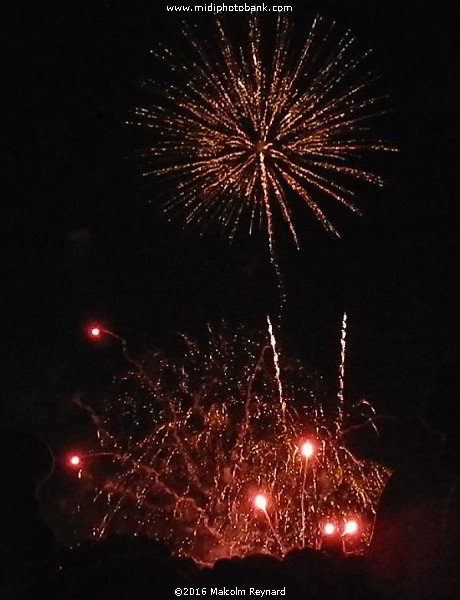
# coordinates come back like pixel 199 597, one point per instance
pixel 202 454
pixel 241 126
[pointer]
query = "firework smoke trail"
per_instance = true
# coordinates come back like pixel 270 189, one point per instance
pixel 239 129
pixel 191 442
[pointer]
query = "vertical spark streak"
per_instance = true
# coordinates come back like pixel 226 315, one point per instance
pixel 266 201
pixel 264 175
pixel 274 532
pixel 302 500
pixel 340 393
pixel 276 362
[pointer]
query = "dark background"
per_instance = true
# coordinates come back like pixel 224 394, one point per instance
pixel 86 240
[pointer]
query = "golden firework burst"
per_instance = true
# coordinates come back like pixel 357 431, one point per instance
pixel 243 129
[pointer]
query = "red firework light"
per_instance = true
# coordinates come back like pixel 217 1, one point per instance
pixel 329 529
pixel 94 331
pixel 307 449
pixel 74 461
pixel 351 527
pixel 261 502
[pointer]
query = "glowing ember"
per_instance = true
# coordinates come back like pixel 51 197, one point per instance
pixel 329 529
pixel 75 460
pixel 351 527
pixel 95 332
pixel 260 502
pixel 307 449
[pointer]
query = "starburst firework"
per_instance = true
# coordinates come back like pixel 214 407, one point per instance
pixel 209 453
pixel 243 128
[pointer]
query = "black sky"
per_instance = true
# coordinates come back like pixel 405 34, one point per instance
pixel 83 241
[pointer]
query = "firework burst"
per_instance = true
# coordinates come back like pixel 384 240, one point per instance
pixel 244 128
pixel 218 458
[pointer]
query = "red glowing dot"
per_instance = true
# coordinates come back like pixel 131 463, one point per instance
pixel 351 527
pixel 260 502
pixel 75 460
pixel 329 528
pixel 95 332
pixel 307 449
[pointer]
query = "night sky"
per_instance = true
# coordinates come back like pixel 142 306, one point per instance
pixel 86 238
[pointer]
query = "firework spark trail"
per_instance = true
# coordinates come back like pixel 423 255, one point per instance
pixel 276 363
pixel 340 393
pixel 275 533
pixel 302 501
pixel 239 127
pixel 249 395
pixel 206 436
